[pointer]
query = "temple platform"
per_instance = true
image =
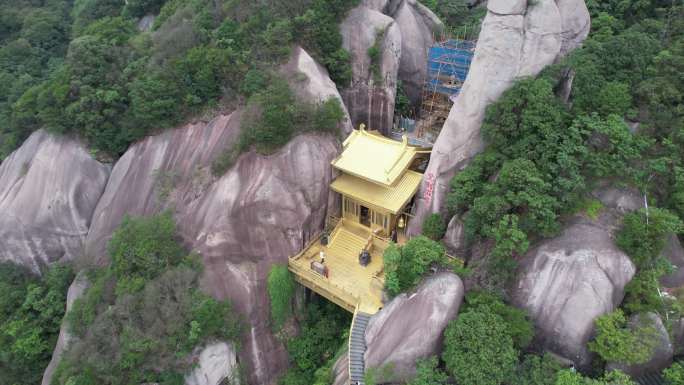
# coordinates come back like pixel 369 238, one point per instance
pixel 345 281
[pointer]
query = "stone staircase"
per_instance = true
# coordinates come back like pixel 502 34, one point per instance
pixel 357 347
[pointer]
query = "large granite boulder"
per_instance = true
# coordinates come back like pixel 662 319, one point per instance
pixel 565 283
pixel 410 327
pixel 418 26
pixel 76 290
pixel 216 363
pixel 660 358
pixel 310 81
pixel 370 96
pixel 262 210
pixel 455 237
pixel 674 253
pixel 517 39
pixel 49 188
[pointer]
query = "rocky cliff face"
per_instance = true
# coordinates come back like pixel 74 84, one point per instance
pixel 403 32
pixel 76 290
pixel 566 282
pixel 518 39
pixel 48 191
pixel 370 96
pixel 262 210
pixel 410 327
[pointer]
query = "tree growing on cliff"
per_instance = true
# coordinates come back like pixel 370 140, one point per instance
pixel 479 349
pixel 616 342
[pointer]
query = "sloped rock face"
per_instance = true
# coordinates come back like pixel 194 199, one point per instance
pixel 454 238
pixel 370 96
pixel 406 31
pixel 76 290
pixel 674 253
pixel 49 188
pixel 158 173
pixel 410 327
pixel 216 363
pixel 660 358
pixel 259 213
pixel 565 283
pixel 262 210
pixel 418 26
pixel 310 81
pixel 517 39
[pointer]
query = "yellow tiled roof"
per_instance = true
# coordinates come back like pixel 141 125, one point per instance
pixel 390 198
pixel 374 157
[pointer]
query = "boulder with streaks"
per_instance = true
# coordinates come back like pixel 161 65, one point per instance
pixel 370 96
pixel 566 282
pixel 216 363
pixel 49 188
pixel 263 209
pixel 410 327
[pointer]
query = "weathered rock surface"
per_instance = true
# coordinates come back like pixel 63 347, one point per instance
pixel 565 283
pixel 49 188
pixel 410 327
pixel 517 39
pixel 310 81
pixel 661 357
pixel 259 212
pixel 619 200
pixel 158 173
pixel 216 363
pixel 454 238
pixel 674 253
pixel 575 22
pixel 418 26
pixel 76 290
pixel 404 30
pixel 370 96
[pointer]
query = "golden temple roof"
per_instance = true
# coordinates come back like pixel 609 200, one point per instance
pixel 375 158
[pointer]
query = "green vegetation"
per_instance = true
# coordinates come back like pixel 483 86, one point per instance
pixel 483 344
pixel 644 232
pixel 674 375
pixel 374 53
pixel 31 311
pixel 428 373
pixel 83 68
pixel 543 156
pixel 281 287
pixel 324 330
pixel 537 370
pixel 405 265
pixel 434 227
pixel 274 116
pixel 478 349
pixel 151 279
pixel 616 342
pixel 459 18
pixel 615 377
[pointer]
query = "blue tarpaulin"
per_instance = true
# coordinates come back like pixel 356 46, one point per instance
pixel 448 65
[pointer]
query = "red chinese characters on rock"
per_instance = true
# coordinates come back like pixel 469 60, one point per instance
pixel 429 187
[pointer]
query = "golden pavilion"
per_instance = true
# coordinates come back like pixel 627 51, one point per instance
pixel 377 181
